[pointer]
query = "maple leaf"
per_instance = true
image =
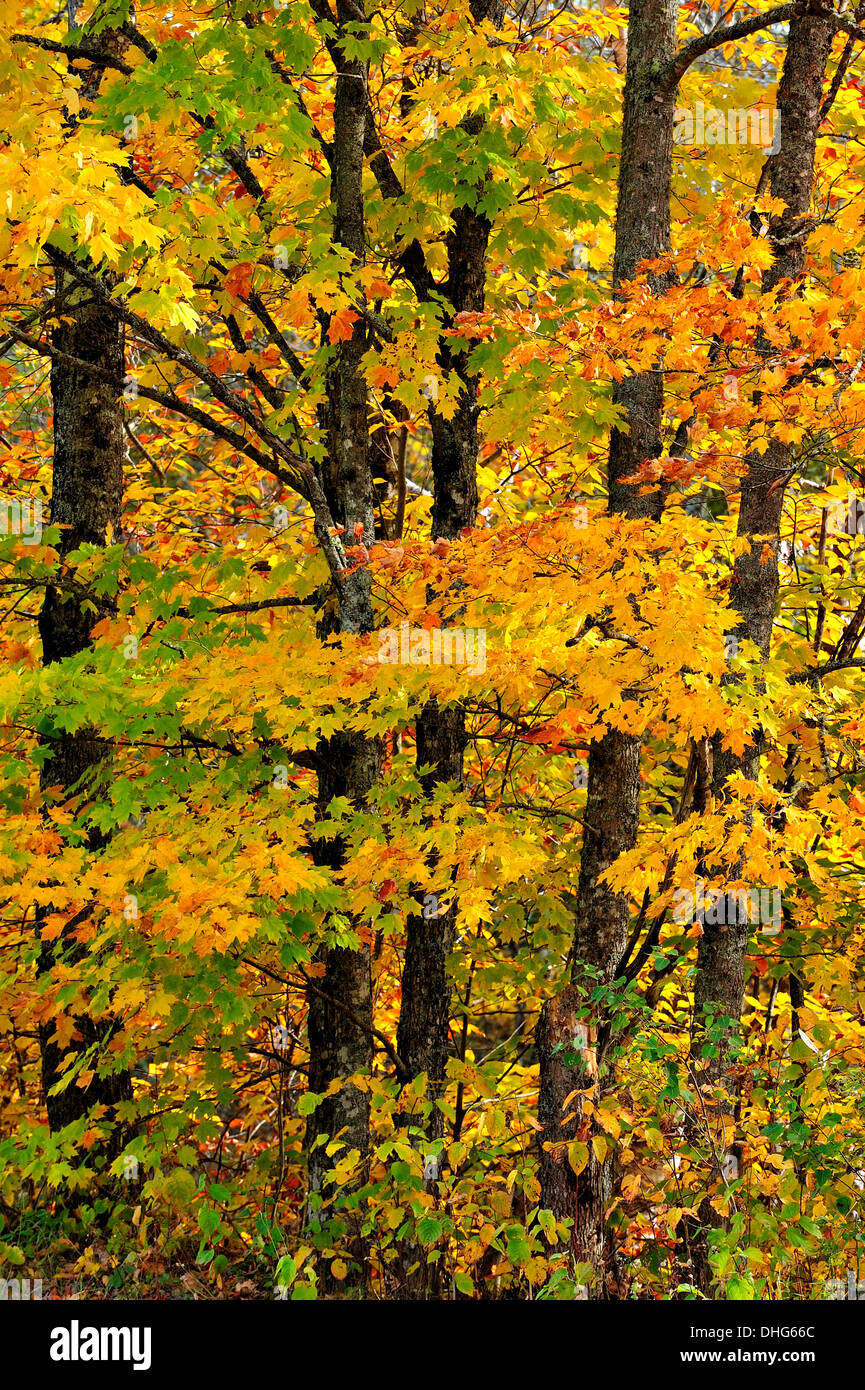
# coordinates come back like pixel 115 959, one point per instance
pixel 18 651
pixel 340 329
pixel 389 557
pixel 377 288
pixel 64 1031
pixel 238 281
pixel 384 376
pixel 52 927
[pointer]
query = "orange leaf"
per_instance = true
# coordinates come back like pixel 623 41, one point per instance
pixel 384 376
pixel 340 328
pixel 52 927
pixel 238 281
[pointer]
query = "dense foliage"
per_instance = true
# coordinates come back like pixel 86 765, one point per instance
pixel 402 707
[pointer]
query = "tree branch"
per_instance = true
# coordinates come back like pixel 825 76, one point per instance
pixel 816 672
pixel 258 606
pixel 75 52
pixel 230 399
pixel 846 26
pixel 403 1073
pixel 728 33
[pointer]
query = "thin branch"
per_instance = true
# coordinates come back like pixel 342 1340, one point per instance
pixel 845 26
pixel 276 67
pixel 306 485
pixel 137 442
pixel 403 1072
pixel 168 400
pixel 278 338
pixel 837 79
pixel 137 38
pixel 230 399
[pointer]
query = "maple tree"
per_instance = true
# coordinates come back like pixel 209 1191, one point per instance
pixel 433 768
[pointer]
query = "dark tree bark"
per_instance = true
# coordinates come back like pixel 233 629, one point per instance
pixel 571 1042
pixel 456 441
pixel 87 484
pixel 571 1039
pixel 340 1001
pixel 720 978
pixel 423 1037
pixel 86 500
pixel 643 231
pixel 423 1033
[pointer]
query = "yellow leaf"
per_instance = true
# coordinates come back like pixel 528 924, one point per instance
pixel 65 1030
pixel 601 1146
pixel 578 1156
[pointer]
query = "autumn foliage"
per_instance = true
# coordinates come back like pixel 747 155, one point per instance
pixel 251 821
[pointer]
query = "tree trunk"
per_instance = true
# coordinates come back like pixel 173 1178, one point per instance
pixel 456 441
pixel 424 1019
pixel 340 1001
pixel 643 231
pixel 571 1038
pixel 86 500
pixel 87 488
pixel 424 1022
pixel 720 978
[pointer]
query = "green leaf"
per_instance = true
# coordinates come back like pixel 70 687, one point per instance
pixel 209 1220
pixel 739 1289
pixel 429 1230
pixel 518 1248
